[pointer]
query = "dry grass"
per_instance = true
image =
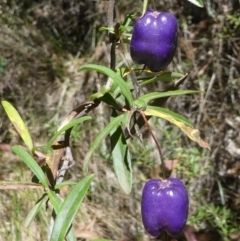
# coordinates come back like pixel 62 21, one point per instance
pixel 44 43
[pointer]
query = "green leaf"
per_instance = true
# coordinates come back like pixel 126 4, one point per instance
pixel 55 200
pixel 98 139
pixel 128 20
pixel 125 28
pixel 99 94
pixel 155 95
pixel 198 3
pixel 68 126
pixel 57 203
pixel 140 103
pixel 18 123
pixel 121 159
pixel 114 76
pixel 62 184
pixel 71 235
pixel 106 97
pixel 31 163
pixel 179 121
pixel 164 76
pixel 167 113
pixel 69 209
pixel 143 81
pixel 110 29
pixel 34 210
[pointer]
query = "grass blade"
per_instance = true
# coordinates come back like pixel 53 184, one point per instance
pixel 34 210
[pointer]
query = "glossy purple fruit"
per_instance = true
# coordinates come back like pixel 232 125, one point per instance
pixel 154 40
pixel 164 206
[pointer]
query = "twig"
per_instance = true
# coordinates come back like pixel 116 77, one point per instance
pixel 110 12
pixel 8 185
pixel 156 142
pixel 61 158
pixel 112 37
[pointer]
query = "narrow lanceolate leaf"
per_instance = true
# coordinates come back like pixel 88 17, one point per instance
pixel 57 203
pixel 168 113
pixel 31 163
pixel 106 97
pixel 98 139
pixel 179 121
pixel 164 76
pixel 69 208
pixel 68 126
pixel 62 184
pixel 114 76
pixel 128 20
pixel 121 159
pixel 18 123
pixel 156 95
pixel 198 3
pixel 35 209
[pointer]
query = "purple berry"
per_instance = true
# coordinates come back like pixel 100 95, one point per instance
pixel 154 40
pixel 164 206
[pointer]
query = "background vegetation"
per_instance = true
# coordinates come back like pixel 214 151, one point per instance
pixel 42 44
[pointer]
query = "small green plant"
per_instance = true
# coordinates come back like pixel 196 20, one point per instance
pixel 234 19
pixel 219 217
pixel 131 110
pixel 193 165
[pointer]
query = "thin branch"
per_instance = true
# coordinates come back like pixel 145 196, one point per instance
pixel 110 12
pixel 7 185
pixel 113 56
pixel 112 37
pixel 156 142
pixel 61 158
pixel 60 153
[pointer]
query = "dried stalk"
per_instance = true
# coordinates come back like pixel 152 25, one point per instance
pixel 61 158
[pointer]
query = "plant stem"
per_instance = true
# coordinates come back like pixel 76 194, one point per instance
pixel 111 4
pixel 110 14
pixel 156 142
